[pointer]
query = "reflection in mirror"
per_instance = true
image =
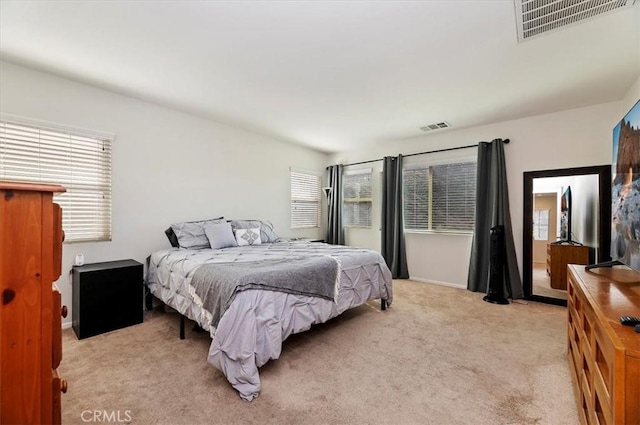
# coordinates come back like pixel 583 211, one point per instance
pixel 564 224
pixel 564 230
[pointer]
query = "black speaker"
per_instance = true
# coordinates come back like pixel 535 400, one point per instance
pixel 495 289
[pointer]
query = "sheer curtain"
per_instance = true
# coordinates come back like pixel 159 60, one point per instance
pixel 393 246
pixel 335 231
pixel 492 210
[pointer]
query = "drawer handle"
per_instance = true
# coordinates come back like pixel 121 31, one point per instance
pixel 64 311
pixel 63 386
pixel 7 296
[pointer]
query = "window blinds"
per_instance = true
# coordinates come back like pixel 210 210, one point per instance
pixel 305 200
pixel 356 193
pixel 415 193
pixel 454 196
pixel 79 162
pixel 440 197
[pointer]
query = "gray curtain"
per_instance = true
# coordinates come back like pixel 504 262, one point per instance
pixel 492 209
pixel 335 231
pixel 393 248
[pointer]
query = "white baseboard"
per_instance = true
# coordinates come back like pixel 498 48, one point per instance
pixel 66 325
pixel 437 282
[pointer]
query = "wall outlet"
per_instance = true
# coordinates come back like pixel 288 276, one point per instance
pixel 79 261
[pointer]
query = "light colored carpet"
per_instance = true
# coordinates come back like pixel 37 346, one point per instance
pixel 438 355
pixel 542 283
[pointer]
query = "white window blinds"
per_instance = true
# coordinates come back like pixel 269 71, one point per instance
pixel 79 162
pixel 440 197
pixel 541 225
pixel 454 196
pixel 416 199
pixel 305 200
pixel 356 195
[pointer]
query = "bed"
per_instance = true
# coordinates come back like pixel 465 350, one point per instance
pixel 251 329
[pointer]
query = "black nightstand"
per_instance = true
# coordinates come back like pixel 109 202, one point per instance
pixel 106 296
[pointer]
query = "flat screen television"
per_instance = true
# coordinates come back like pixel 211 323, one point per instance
pixel 625 190
pixel 565 216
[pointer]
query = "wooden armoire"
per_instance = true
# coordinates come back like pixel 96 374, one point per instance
pixel 30 312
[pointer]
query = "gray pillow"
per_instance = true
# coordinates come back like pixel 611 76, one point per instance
pixel 191 234
pixel 267 234
pixel 220 235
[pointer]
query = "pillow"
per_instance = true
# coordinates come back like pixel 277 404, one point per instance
pixel 246 237
pixel 220 235
pixel 173 240
pixel 267 234
pixel 191 234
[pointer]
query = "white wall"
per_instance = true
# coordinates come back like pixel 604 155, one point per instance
pixel 574 138
pixel 168 166
pixel 632 96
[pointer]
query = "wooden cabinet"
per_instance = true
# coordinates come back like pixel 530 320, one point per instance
pixel 603 355
pixel 558 256
pixel 30 312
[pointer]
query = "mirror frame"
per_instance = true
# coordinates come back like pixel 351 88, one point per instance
pixel 604 221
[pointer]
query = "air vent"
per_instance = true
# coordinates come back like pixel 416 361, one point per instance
pixel 436 126
pixel 536 17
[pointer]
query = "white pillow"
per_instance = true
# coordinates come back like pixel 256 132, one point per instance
pixel 191 234
pixel 246 237
pixel 220 235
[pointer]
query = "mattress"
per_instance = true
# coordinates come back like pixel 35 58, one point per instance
pixel 253 328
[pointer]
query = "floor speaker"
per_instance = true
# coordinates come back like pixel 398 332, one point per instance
pixel 495 289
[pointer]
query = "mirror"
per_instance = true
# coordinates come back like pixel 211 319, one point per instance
pixel 567 219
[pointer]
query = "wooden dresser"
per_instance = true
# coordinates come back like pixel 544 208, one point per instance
pixel 603 355
pixel 30 313
pixel 558 256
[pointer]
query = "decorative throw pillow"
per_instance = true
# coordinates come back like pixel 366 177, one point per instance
pixel 220 235
pixel 191 234
pixel 246 237
pixel 267 234
pixel 173 239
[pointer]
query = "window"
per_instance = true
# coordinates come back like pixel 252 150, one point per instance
pixel 440 197
pixel 78 161
pixel 305 200
pixel 541 225
pixel 356 198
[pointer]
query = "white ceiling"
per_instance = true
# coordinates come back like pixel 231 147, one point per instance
pixel 329 75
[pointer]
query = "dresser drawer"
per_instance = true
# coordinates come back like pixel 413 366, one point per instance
pixel 607 372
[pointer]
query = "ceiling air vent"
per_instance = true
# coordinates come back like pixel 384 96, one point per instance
pixel 436 126
pixel 536 17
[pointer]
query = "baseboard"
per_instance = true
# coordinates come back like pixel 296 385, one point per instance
pixel 437 282
pixel 66 325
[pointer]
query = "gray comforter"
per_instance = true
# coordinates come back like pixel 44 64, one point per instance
pixel 217 284
pixel 251 331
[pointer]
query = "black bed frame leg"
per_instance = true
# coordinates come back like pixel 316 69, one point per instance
pixel 181 326
pixel 383 304
pixel 148 300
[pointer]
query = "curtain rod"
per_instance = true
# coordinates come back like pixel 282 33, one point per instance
pixel 423 153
